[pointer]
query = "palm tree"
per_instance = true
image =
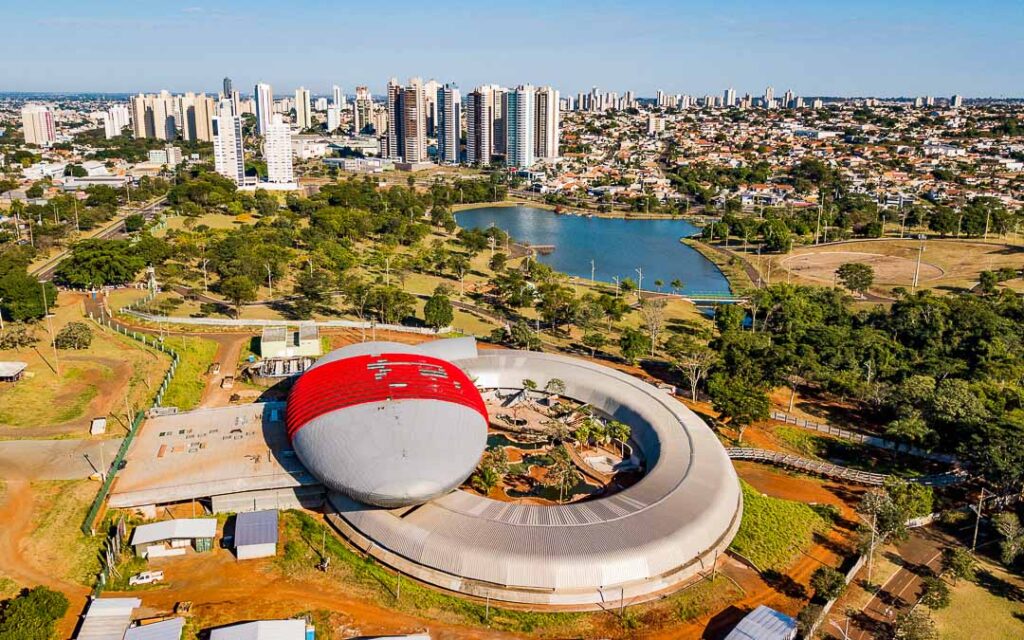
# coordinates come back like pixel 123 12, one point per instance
pixel 582 433
pixel 659 283
pixel 555 386
pixel 562 473
pixel 620 431
pixel 676 285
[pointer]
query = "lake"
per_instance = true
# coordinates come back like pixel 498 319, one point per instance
pixel 617 246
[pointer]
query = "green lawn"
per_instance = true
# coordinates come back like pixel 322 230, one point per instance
pixel 196 355
pixel 774 530
pixel 990 608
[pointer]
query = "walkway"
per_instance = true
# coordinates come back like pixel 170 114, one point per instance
pixel 829 470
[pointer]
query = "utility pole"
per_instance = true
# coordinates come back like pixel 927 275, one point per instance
pixel 592 271
pixel 639 282
pixel 270 280
pixel 817 228
pixel 1 317
pixel 977 520
pixel 917 269
pixel 49 323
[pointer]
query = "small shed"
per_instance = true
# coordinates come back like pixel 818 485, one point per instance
pixel 163 630
pixel 764 623
pixel 98 426
pixel 172 537
pixel 265 630
pixel 107 618
pixel 12 371
pixel 256 534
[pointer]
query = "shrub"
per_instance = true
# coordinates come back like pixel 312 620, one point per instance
pixel 74 335
pixel 32 614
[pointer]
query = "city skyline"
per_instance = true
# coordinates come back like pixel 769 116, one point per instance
pixel 872 49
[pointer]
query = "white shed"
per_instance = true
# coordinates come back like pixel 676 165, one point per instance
pixel 256 534
pixel 171 537
pixel 264 630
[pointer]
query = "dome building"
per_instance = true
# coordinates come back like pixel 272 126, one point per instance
pixel 387 424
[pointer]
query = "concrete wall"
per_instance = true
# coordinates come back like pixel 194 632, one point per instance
pixel 250 551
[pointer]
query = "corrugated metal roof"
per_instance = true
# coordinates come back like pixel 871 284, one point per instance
pixel 166 630
pixel 262 630
pixel 256 527
pixel 274 334
pixel 107 618
pixel 686 505
pixel 185 528
pixel 764 623
pixel 11 369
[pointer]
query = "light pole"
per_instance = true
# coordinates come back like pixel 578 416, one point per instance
pixel 270 280
pixel 917 269
pixel 977 520
pixel 639 282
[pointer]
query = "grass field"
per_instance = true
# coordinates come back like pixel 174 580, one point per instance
pixel 773 530
pixel 946 264
pixel 56 541
pixel 196 355
pixel 990 608
pixel 92 382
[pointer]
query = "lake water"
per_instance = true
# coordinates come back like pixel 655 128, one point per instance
pixel 617 246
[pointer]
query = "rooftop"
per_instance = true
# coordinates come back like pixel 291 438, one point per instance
pixel 256 527
pixel 185 528
pixel 11 369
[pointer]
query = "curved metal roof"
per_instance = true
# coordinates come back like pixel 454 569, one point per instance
pixel 639 540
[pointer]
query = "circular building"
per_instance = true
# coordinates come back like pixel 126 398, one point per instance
pixel 629 546
pixel 386 424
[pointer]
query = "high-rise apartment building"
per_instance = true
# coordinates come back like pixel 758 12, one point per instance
pixel 547 121
pixel 337 97
pixel 264 96
pixel 38 125
pixel 362 110
pixel 430 89
pixel 406 138
pixel 228 90
pixel 303 112
pixel 730 97
pixel 499 121
pixel 519 126
pixel 115 120
pixel 449 123
pixel 479 126
pixel 333 118
pixel 769 97
pixel 228 154
pixel 277 151
pixel 155 116
pixel 197 116
pixel 956 101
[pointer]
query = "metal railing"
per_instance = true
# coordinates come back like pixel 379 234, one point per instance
pixel 816 467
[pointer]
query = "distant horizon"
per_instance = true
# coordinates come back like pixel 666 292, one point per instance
pixel 874 48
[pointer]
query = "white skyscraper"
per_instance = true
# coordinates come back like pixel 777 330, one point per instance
pixel 479 126
pixel 449 123
pixel 115 120
pixel 547 123
pixel 264 96
pixel 730 97
pixel 337 97
pixel 333 118
pixel 37 124
pixel 519 127
pixel 228 154
pixel 303 114
pixel 277 151
pixel 956 101
pixel 769 97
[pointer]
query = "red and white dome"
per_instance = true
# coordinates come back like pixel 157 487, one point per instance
pixel 386 423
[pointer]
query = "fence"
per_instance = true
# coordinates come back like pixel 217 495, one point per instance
pixel 848 578
pixel 229 322
pixel 115 465
pixel 862 438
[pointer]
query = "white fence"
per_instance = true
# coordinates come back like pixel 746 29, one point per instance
pixel 862 438
pixel 230 322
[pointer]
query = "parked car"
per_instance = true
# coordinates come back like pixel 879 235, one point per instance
pixel 146 577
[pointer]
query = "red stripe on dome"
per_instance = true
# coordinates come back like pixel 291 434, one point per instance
pixel 366 379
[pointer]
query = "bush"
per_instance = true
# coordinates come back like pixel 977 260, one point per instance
pixel 17 337
pixel 32 614
pixel 74 335
pixel 827 583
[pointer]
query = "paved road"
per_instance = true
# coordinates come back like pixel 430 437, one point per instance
pixel 54 459
pixel 918 557
pixel 113 229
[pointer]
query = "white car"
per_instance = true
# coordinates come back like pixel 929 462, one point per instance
pixel 146 577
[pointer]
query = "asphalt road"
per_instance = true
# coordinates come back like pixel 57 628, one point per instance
pixel 113 230
pixel 54 459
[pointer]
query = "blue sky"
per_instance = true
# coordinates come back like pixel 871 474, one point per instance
pixel 825 47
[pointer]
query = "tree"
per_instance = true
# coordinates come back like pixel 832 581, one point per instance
pixel 916 624
pixel 17 337
pixel 693 360
pixel 238 290
pixel 438 312
pixel 134 222
pixel 619 431
pixel 555 386
pixel 22 294
pixel 738 401
pixel 498 261
pixel 856 276
pixel 95 263
pixel 633 344
pixel 777 237
pixel 936 593
pixel 518 336
pixel 827 583
pixel 653 313
pixel 562 474
pixel 594 341
pixel 74 335
pixel 1012 545
pixel 32 614
pixel 958 562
